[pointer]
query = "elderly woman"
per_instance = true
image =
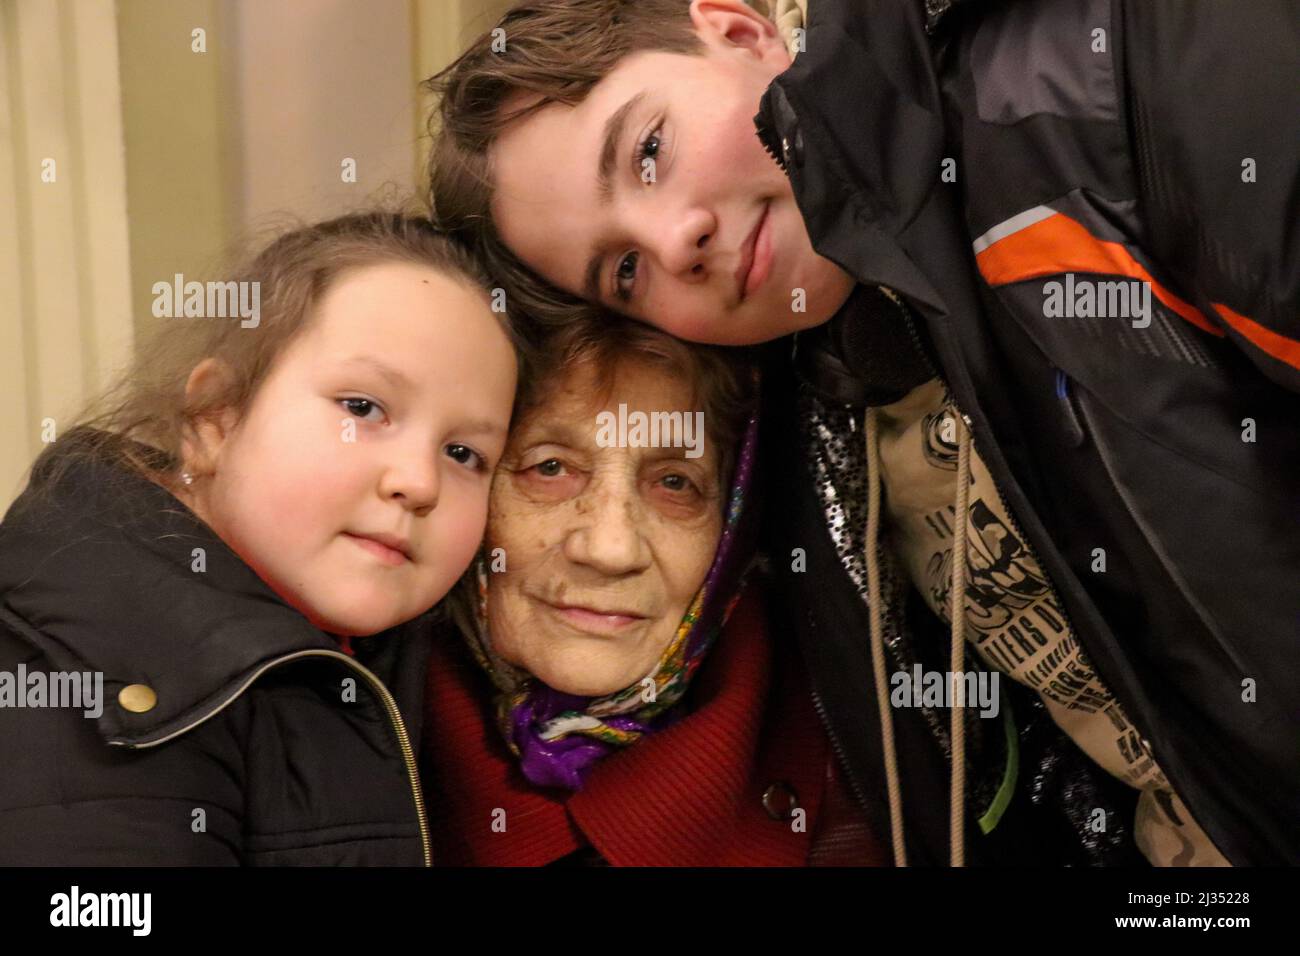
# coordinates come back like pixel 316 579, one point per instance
pixel 613 695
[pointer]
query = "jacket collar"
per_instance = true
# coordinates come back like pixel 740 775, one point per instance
pixel 112 573
pixel 860 115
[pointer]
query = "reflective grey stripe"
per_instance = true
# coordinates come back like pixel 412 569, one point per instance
pixel 1007 227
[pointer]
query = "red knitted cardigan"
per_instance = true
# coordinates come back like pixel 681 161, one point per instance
pixel 689 795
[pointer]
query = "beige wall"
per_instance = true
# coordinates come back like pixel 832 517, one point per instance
pixel 64 272
pixel 173 160
pixel 178 121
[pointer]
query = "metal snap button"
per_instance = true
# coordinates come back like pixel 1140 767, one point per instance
pixel 137 698
pixel 780 800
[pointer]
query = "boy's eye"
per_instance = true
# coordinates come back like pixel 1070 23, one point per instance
pixel 646 152
pixel 361 408
pixel 625 274
pixel 648 149
pixel 464 455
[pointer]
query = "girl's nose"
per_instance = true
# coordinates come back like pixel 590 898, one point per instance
pixel 414 482
pixel 608 535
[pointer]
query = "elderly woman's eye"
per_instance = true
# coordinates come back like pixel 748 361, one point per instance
pixel 677 482
pixel 551 468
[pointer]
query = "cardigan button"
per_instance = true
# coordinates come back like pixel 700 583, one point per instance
pixel 137 698
pixel 780 801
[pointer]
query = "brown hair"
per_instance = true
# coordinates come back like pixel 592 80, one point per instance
pixel 558 50
pixel 723 381
pixel 149 405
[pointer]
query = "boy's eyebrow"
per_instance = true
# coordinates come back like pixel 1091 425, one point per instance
pixel 615 126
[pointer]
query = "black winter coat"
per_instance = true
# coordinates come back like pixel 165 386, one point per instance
pixel 968 156
pixel 230 733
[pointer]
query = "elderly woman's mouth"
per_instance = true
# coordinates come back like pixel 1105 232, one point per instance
pixel 595 619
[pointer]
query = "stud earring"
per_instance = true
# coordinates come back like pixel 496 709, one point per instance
pixel 187 478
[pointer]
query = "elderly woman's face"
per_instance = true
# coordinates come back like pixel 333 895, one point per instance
pixel 604 546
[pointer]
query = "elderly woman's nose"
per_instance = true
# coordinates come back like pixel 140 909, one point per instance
pixel 609 535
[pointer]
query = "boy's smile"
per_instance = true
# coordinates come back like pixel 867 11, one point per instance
pixel 648 197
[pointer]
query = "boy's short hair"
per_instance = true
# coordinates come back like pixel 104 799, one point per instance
pixel 557 50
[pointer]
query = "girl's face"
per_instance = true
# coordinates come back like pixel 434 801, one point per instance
pixel 356 484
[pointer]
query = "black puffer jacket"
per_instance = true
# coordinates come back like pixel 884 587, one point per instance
pixel 253 751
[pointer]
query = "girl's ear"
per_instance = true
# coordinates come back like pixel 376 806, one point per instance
pixel 207 432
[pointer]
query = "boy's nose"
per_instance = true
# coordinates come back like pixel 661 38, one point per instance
pixel 685 240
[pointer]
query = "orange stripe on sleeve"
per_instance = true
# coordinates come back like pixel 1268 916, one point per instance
pixel 1266 340
pixel 1059 244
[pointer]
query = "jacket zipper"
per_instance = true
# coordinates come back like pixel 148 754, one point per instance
pixel 765 135
pixel 390 705
pixel 819 705
pixel 838 748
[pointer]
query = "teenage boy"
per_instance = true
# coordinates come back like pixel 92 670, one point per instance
pixel 1032 263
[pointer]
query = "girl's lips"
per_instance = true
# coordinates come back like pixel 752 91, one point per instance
pixel 381 551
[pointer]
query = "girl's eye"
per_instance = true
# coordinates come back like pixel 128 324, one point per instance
pixel 361 408
pixel 464 455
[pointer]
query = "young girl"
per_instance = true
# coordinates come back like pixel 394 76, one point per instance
pixel 207 582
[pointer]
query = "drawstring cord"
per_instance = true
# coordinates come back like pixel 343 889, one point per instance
pixel 957 617
pixel 878 643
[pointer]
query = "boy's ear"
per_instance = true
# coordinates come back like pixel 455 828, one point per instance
pixel 737 24
pixel 205 433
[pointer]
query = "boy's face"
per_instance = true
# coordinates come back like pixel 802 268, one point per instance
pixel 670 242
